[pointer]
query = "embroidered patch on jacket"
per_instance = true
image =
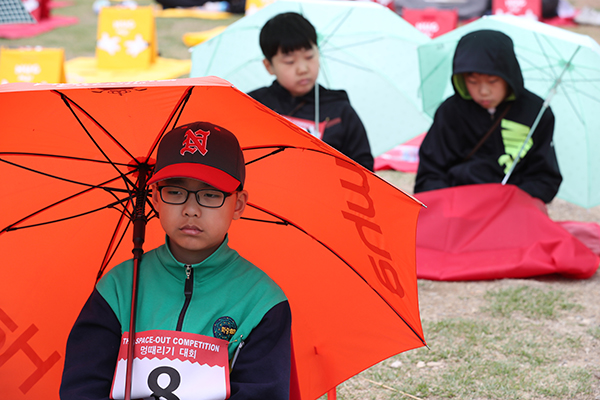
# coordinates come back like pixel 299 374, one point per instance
pixel 224 328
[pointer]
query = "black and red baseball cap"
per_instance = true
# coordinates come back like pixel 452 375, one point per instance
pixel 202 151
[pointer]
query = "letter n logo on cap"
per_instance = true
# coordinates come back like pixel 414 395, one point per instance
pixel 195 141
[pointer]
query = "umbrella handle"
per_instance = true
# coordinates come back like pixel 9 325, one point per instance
pixel 139 233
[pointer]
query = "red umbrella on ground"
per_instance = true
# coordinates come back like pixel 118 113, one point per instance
pixel 494 231
pixel 339 240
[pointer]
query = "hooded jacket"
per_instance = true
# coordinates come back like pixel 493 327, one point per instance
pixel 460 123
pixel 344 131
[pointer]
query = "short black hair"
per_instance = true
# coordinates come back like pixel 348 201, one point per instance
pixel 287 31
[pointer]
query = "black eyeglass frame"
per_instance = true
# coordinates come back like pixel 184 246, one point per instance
pixel 195 192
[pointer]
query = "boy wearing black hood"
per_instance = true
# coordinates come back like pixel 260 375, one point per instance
pixel 478 132
pixel 289 44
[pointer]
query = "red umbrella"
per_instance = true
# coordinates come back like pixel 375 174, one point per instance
pixel 339 240
pixel 494 231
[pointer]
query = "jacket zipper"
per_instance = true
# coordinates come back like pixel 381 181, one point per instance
pixel 187 291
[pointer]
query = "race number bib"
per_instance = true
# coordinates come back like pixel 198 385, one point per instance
pixel 174 365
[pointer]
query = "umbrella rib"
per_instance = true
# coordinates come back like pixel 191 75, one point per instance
pixel 108 256
pixel 335 29
pixel 68 102
pixel 573 107
pixel 90 188
pixel 586 94
pixel 179 107
pixel 286 222
pixel 89 185
pixel 13 228
pixel 353 44
pixel 73 158
pixel 278 149
pixel 282 148
pixel 537 39
pixel 353 65
pixel 263 220
pixel 532 66
pixel 545 105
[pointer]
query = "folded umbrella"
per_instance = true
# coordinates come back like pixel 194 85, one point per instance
pixel 493 231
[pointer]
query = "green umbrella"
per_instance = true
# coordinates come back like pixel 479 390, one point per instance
pixel 366 49
pixel 560 66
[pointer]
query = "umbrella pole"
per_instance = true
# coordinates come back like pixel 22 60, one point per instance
pixel 535 124
pixel 317 105
pixel 539 116
pixel 332 394
pixel 139 233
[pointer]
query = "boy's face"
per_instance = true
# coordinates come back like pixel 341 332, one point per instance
pixel 297 71
pixel 486 90
pixel 194 231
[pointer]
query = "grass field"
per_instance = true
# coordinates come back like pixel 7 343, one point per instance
pixel 510 339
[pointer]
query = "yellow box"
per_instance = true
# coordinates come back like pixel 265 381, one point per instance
pixel 126 38
pixel 37 65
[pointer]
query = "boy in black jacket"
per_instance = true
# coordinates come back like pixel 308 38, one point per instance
pixel 489 86
pixel 289 44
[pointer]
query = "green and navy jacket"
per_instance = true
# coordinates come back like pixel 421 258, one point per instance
pixel 460 123
pixel 225 296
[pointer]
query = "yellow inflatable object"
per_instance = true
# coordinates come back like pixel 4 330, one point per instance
pixel 191 13
pixel 193 38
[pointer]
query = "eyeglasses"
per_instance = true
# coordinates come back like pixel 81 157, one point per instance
pixel 210 198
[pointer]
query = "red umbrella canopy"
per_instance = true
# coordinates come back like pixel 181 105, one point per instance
pixel 339 240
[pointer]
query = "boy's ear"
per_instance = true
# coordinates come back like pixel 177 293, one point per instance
pixel 155 195
pixel 240 204
pixel 268 66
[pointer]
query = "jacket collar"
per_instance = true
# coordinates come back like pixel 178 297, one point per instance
pixel 213 264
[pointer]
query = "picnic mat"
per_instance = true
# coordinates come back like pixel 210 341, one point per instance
pixel 18 31
pixel 190 39
pixel 84 69
pixel 404 157
pixel 494 231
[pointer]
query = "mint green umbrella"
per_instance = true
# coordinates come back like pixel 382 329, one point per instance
pixel 366 49
pixel 560 66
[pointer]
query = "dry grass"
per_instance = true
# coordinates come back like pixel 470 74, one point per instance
pixel 504 339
